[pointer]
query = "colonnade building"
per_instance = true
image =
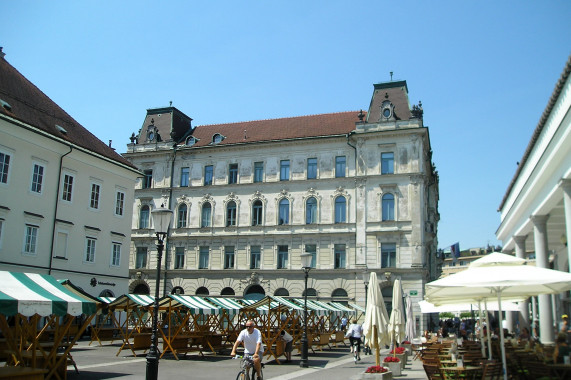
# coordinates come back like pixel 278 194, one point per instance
pixel 357 190
pixel 536 208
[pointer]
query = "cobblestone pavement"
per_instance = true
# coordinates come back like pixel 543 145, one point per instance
pixel 101 362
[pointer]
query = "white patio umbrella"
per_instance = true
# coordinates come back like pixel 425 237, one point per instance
pixel 397 323
pixel 376 318
pixel 410 334
pixel 496 276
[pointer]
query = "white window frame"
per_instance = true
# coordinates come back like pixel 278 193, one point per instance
pixel 90 249
pixel 98 196
pixel 115 255
pixel 121 206
pixel 42 176
pixel 57 243
pixel 64 190
pixel 8 171
pixel 31 240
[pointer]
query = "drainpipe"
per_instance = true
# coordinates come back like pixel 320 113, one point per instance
pixel 355 149
pixel 55 211
pixel 167 244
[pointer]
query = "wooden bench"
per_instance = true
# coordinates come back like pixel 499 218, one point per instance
pixel 26 373
pixel 323 340
pixel 338 337
pixel 141 341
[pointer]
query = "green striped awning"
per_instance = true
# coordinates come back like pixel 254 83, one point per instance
pixel 330 308
pixel 357 307
pixel 342 307
pixel 107 299
pixel 33 293
pixel 196 305
pixel 312 306
pixel 231 306
pixel 133 301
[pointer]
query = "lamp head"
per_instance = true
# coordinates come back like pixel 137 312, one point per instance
pixel 306 260
pixel 366 277
pixel 161 219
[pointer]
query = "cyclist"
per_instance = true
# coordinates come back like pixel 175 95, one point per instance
pixel 251 338
pixel 354 333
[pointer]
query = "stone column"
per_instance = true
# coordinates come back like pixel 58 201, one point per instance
pixel 566 187
pixel 524 306
pixel 546 332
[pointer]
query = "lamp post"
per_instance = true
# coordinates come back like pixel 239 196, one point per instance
pixel 161 220
pixel 306 266
pixel 366 281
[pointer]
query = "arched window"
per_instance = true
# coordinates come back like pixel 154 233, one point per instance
pixel 106 293
pixel 257 213
pixel 255 292
pixel 181 216
pixel 310 292
pixel 227 292
pixel 206 215
pixel 339 294
pixel 284 212
pixel 231 214
pixel 388 207
pixel 141 289
pixel 281 292
pixel 177 290
pixel 144 217
pixel 311 211
pixel 340 210
pixel 202 291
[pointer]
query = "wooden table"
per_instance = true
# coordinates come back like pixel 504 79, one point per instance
pixel 562 371
pixel 22 372
pixel 467 372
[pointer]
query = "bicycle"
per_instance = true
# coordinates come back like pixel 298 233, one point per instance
pixel 247 364
pixel 355 350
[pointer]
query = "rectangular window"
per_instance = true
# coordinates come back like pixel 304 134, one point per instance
pixel 312 249
pixel 387 163
pixel 4 167
pixel 208 174
pixel 184 176
pixel 61 244
pixel 94 200
pixel 90 250
pixel 255 257
pixel 388 255
pixel 147 179
pixel 67 190
pixel 119 203
pixel 31 239
pixel 228 257
pixel 203 258
pixel 37 178
pixel 282 257
pixel 179 258
pixel 311 168
pixel 116 254
pixel 141 258
pixel 284 170
pixel 233 173
pixel 340 256
pixel 258 171
pixel 340 163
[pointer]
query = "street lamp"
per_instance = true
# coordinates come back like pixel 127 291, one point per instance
pixel 306 266
pixel 161 220
pixel 366 281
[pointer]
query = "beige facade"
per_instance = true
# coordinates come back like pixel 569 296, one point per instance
pixel 59 191
pixel 359 191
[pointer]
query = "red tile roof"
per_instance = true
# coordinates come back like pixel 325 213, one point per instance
pixel 330 124
pixel 30 105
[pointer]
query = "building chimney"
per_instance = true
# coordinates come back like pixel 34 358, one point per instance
pixel 2 54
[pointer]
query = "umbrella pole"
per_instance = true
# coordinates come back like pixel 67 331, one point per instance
pixel 488 333
pixel 482 346
pixel 503 347
pixel 377 349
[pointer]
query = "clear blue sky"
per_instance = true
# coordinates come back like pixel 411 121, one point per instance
pixel 484 71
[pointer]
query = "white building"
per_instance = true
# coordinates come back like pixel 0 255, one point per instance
pixel 536 208
pixel 66 198
pixel 356 190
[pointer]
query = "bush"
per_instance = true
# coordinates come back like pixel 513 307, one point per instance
pixel 398 350
pixel 376 369
pixel 391 359
pixel 405 342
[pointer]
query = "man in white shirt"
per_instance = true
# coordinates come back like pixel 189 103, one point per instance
pixel 251 337
pixel 288 339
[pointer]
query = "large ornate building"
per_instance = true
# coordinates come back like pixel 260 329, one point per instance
pixel 356 190
pixel 66 197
